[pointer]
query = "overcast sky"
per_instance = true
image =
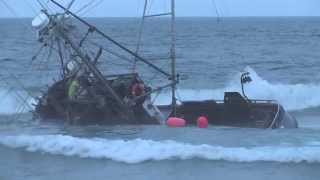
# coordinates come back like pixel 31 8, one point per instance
pixel 129 8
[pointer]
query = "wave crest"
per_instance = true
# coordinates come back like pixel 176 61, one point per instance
pixel 139 150
pixel 291 96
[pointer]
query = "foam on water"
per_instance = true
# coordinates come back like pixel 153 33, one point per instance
pixel 12 102
pixel 139 150
pixel 291 96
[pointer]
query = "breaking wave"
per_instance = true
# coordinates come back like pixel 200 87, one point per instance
pixel 138 150
pixel 291 96
pixel 12 101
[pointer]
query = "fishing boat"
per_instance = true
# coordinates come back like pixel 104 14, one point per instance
pixel 86 95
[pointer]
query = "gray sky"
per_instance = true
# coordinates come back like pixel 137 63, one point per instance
pixel 129 8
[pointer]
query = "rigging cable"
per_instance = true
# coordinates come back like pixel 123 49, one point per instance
pixel 155 75
pixel 86 8
pixel 9 8
pixel 45 61
pixel 121 57
pixel 150 6
pixel 44 6
pixel 19 96
pixel 140 32
pixel 32 8
pixel 70 4
pixel 92 7
pixel 214 3
pixel 14 13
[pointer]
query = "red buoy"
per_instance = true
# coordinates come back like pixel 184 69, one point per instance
pixel 202 122
pixel 176 122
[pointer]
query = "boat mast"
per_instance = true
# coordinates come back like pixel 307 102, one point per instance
pixel 172 76
pixel 173 57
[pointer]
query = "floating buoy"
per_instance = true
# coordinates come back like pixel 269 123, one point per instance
pixel 176 122
pixel 202 122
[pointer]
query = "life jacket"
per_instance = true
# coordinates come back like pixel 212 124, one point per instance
pixel 73 89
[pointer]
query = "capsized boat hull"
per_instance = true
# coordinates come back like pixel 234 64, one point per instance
pixel 98 108
pixel 258 115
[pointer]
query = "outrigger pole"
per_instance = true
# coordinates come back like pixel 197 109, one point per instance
pixel 93 28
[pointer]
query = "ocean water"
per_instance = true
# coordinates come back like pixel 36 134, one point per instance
pixel 281 55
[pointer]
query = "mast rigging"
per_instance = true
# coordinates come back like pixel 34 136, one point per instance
pixel 112 40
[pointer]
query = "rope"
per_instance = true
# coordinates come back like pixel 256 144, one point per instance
pixel 155 75
pixel 111 52
pixel 9 7
pixel 44 6
pixel 20 97
pixel 47 60
pixel 216 9
pixel 150 6
pixel 140 35
pixel 92 7
pixel 14 13
pixel 70 4
pixel 86 8
pixel 31 7
pixel 156 96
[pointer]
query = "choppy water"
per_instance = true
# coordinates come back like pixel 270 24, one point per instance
pixel 280 53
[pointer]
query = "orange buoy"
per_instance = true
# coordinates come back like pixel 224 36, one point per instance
pixel 176 122
pixel 202 122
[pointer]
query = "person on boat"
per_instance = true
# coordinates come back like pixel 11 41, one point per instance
pixel 78 85
pixel 73 89
pixel 137 89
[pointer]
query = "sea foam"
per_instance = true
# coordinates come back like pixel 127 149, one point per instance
pixel 139 150
pixel 13 101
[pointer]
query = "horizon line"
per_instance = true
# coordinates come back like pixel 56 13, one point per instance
pixel 248 16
